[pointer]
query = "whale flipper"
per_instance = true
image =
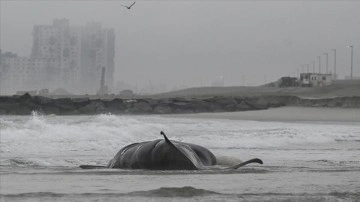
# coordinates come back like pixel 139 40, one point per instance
pixel 92 167
pixel 256 160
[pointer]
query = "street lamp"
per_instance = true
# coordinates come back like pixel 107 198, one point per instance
pixel 334 63
pixel 307 68
pixel 351 61
pixel 319 64
pixel 327 62
pixel 313 66
pixel 297 71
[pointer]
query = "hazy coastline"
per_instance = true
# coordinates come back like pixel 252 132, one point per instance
pixel 340 94
pixel 100 83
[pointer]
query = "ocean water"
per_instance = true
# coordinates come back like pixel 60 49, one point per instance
pixel 303 161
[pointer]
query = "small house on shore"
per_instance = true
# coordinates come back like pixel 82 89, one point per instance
pixel 315 79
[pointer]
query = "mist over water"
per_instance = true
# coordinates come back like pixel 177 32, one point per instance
pixel 36 150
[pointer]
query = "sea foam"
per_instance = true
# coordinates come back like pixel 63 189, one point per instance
pixel 65 139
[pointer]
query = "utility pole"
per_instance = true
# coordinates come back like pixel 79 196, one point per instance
pixel 334 63
pixel 313 66
pixel 327 62
pixel 307 68
pixel 298 72
pixel 351 61
pixel 319 64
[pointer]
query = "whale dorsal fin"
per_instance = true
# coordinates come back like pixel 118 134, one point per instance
pixel 190 156
pixel 166 139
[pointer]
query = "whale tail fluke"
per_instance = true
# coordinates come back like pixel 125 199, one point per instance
pixel 256 160
pixel 92 167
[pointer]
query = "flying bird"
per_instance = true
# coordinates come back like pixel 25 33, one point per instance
pixel 129 7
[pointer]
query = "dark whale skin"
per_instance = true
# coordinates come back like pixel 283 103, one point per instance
pixel 163 155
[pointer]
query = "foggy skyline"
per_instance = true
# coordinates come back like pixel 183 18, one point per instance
pixel 196 42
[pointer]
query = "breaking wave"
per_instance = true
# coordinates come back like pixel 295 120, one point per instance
pixel 74 140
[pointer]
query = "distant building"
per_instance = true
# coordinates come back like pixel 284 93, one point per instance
pixel 315 79
pixel 62 56
pixel 62 44
pixel 23 74
pixel 98 51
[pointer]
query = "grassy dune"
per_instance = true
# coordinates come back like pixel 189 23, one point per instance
pixel 340 88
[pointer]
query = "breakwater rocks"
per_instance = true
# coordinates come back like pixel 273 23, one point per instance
pixel 26 104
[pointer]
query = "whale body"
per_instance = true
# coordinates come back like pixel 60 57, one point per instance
pixel 163 154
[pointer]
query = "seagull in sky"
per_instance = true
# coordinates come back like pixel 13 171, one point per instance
pixel 129 7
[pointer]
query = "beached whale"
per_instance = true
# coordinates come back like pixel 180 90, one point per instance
pixel 163 154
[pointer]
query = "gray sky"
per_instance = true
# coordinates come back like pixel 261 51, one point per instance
pixel 196 42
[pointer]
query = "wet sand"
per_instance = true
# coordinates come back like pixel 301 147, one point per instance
pixel 285 114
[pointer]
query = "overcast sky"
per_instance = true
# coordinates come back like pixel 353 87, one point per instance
pixel 196 42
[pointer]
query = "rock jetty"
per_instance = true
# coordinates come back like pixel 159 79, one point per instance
pixel 26 104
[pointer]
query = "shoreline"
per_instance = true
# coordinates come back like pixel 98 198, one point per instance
pixel 284 114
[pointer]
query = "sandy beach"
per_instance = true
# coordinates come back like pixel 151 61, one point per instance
pixel 286 114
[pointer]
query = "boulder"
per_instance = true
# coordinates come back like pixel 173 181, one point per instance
pixel 213 107
pixel 22 110
pixel 162 109
pixel 243 106
pixel 40 100
pixel 24 98
pixel 10 107
pixel 256 103
pixel 94 107
pixel 199 106
pixel 225 101
pixel 65 105
pixel 153 102
pixel 2 112
pixel 50 110
pixel 116 105
pixel 7 99
pixel 181 107
pixel 230 107
pixel 142 107
pixel 80 102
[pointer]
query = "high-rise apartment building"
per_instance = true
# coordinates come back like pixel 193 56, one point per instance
pixel 63 56
pixel 97 48
pixel 62 44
